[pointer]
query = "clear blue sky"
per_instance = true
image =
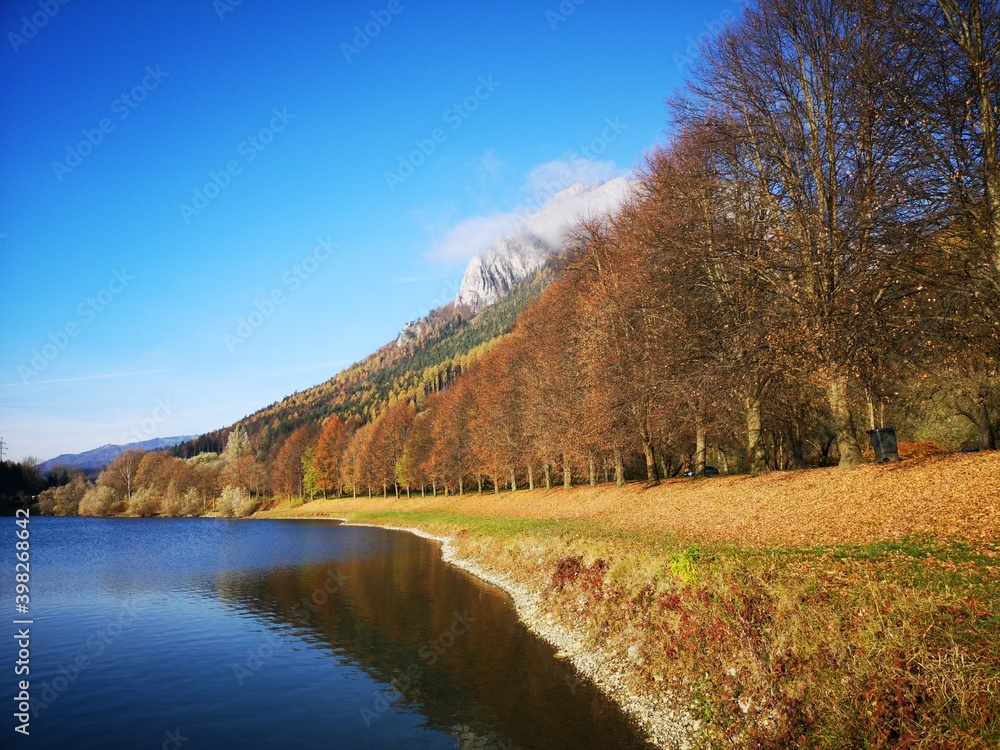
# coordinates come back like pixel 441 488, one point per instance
pixel 169 165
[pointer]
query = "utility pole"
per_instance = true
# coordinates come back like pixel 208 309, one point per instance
pixel 2 446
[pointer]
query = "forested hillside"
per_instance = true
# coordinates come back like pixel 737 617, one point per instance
pixel 444 344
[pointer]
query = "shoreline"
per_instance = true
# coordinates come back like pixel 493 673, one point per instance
pixel 665 727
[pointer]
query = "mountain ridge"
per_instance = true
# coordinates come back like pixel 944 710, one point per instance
pixel 98 458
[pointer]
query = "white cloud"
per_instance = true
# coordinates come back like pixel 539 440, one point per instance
pixel 467 237
pixel 489 164
pixel 561 173
pixel 456 241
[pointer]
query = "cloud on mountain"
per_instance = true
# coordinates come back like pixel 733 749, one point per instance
pixel 458 241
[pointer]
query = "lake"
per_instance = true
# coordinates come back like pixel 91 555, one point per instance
pixel 210 633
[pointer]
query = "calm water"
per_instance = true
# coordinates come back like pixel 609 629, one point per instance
pixel 281 634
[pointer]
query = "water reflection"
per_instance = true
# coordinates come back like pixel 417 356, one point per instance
pixel 264 634
pixel 444 644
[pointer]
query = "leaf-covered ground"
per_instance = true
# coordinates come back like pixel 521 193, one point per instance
pixel 947 496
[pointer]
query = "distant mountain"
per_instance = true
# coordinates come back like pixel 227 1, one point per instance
pixel 491 275
pixel 98 458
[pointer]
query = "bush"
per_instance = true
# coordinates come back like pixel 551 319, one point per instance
pixel 192 503
pixel 235 502
pixel 145 502
pixel 98 501
pixel 64 500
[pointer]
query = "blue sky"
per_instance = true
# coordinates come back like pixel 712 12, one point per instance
pixel 207 206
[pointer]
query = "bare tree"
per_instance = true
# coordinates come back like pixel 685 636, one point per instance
pixel 802 92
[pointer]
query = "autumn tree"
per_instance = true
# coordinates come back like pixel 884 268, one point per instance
pixel 388 442
pixel 415 468
pixel 325 459
pixel 241 466
pixel 357 461
pixel 120 475
pixel 451 456
pixel 497 416
pixel 155 471
pixel 956 105
pixel 287 468
pixel 801 93
pixel 703 225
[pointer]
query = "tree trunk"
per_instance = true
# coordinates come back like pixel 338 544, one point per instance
pixel 531 478
pixel 396 485
pixel 699 444
pixel 567 473
pixel 619 468
pixel 593 473
pixel 651 476
pixel 843 422
pixel 798 448
pixel 479 480
pixel 985 428
pixel 548 475
pixel 461 486
pixel 496 485
pixel 755 445
pixel 434 488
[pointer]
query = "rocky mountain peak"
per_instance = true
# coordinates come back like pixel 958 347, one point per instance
pixel 491 274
